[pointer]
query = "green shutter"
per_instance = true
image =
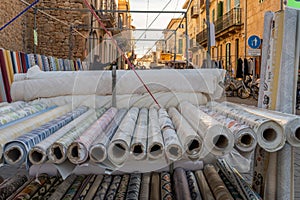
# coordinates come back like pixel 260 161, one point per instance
pixel 220 9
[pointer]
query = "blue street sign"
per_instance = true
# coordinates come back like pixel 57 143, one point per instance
pixel 254 41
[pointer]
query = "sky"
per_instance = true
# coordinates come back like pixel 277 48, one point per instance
pixel 162 21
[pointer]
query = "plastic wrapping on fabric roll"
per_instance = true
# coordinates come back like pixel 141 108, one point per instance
pixel 181 186
pixel 57 153
pixel 63 188
pixel 245 139
pixel 145 187
pixel 203 185
pixel 194 189
pixel 139 140
pixel 111 193
pixel 93 189
pixel 118 150
pixel 103 188
pixel 190 140
pixel 289 122
pixel 155 186
pixel 270 135
pixel 19 129
pixel 98 150
pixel 216 184
pixel 155 148
pixel 21 112
pixel 10 186
pixel 218 139
pixel 33 187
pixel 173 147
pixel 16 151
pixel 166 186
pixel 38 154
pixel 133 186
pixel 78 150
pixel 121 193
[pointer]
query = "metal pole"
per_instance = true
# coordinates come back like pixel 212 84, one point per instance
pixel 245 34
pixel 34 28
pixel 208 34
pixel 175 49
pixel 114 81
pixel 70 43
pixel 186 40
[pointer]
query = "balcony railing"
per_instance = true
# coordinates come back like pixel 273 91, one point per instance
pixel 231 19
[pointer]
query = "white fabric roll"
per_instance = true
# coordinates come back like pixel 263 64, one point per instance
pixel 270 135
pixel 118 149
pixel 139 140
pixel 218 139
pixel 190 140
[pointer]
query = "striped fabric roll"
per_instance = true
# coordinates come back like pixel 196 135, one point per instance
pixel 121 193
pixel 194 189
pixel 63 188
pixel 113 187
pixel 32 188
pixel 21 145
pixel 19 129
pixel 103 188
pixel 71 192
pixel 85 189
pixel 145 187
pixel 166 186
pixel 58 150
pixel 133 187
pixel 9 187
pixel 38 154
pixel 94 187
pixel 83 143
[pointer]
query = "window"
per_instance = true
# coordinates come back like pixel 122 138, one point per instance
pixel 237 3
pixel 220 9
pixel 228 5
pixel 236 50
pixel 180 46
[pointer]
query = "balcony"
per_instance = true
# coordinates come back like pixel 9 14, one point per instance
pixel 193 45
pixel 229 23
pixel 195 11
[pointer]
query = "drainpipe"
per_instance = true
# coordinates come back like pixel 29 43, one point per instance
pixel 245 27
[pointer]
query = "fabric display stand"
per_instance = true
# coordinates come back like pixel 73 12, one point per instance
pixel 12 62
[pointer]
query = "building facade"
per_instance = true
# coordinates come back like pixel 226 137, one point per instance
pixel 233 21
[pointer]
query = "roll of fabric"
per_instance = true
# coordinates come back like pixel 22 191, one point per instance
pixel 190 140
pixel 63 188
pixel 93 189
pixel 203 185
pixel 218 139
pixel 53 188
pixel 82 193
pixel 9 187
pixel 270 135
pixel 181 185
pixel 98 150
pixel 38 153
pixel 133 187
pixel 111 193
pixel 235 194
pixel 166 186
pixel 289 122
pixel 173 147
pixel 216 184
pixel 145 187
pixel 103 188
pixel 22 112
pixel 155 186
pixel 16 151
pixel 245 139
pixel 39 195
pixel 71 192
pixel 140 136
pixel 57 153
pixel 19 129
pixel 118 149
pixel 32 187
pixel 121 193
pixel 194 189
pixel 78 150
pixel 155 148
pixel 10 107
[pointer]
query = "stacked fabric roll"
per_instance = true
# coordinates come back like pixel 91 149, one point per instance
pixel 222 183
